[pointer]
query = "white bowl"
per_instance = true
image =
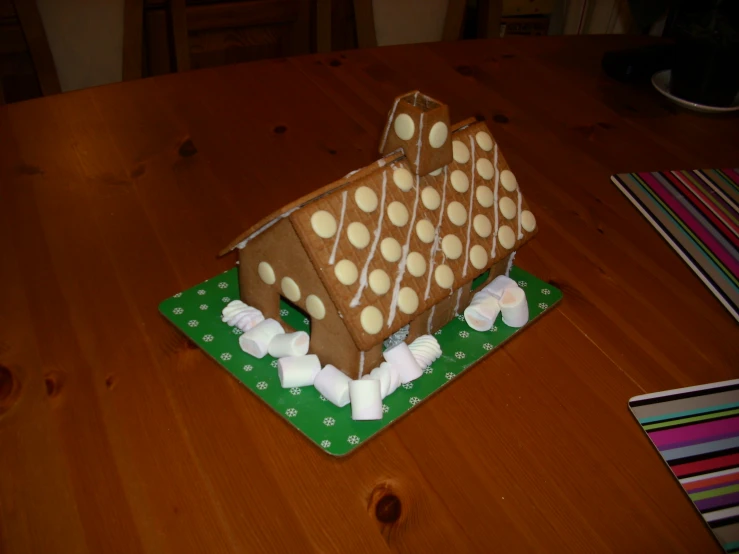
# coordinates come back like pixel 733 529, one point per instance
pixel 661 81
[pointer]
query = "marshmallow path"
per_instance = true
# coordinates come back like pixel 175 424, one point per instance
pixel 239 315
pixel 501 295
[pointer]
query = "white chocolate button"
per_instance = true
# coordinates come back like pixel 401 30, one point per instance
pixel 315 307
pixel 438 134
pixel 484 196
pixel 366 199
pixel 459 180
pixel 404 126
pixel 358 234
pixel 379 282
pixel 484 141
pixel 416 264
pixel 266 273
pixel 508 180
pixel 290 289
pixel 482 225
pixel 451 246
pixel 324 224
pixel 346 272
pixel 528 221
pixel 436 172
pixel 403 178
pixel 397 213
pixel 425 231
pixel 460 152
pixel 456 212
pixel 430 198
pixel 507 207
pixel 444 276
pixel 390 249
pixel 478 257
pixel 485 169
pixel 371 320
pixel 506 237
pixel 407 300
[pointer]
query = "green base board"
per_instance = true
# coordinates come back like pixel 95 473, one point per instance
pixel 197 313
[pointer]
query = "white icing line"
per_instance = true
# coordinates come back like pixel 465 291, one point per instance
pixel 419 143
pixel 469 215
pixel 510 263
pixel 496 171
pixel 520 234
pixel 363 277
pixel 389 123
pixel 361 364
pixel 404 257
pixel 435 245
pixel 429 325
pixel 332 258
pixel 459 297
pixel 264 227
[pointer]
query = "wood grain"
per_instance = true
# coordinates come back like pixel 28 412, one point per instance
pixel 117 435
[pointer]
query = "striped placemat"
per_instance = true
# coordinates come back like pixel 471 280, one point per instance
pixel 697 213
pixel 696 431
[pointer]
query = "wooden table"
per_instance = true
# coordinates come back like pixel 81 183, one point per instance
pixel 116 435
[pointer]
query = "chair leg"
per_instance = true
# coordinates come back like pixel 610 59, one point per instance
pixel 38 45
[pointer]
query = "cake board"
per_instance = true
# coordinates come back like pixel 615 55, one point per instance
pixel 196 312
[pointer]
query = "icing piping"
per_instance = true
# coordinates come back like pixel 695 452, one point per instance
pixel 435 245
pixel 332 258
pixel 419 143
pixel 264 227
pixel 469 215
pixel 389 122
pixel 459 297
pixel 404 257
pixel 495 201
pixel 431 319
pixel 363 277
pixel 520 234
pixel 361 364
pixel 510 263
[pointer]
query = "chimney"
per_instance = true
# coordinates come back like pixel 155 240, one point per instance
pixel 420 126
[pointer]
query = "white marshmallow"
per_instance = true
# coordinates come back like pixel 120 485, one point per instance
pixel 239 315
pixel 482 311
pixel 333 384
pixel 298 371
pixel 425 350
pixel 289 344
pixel 402 358
pixel 388 376
pixel 498 286
pixel 514 307
pixel 366 399
pixel 256 340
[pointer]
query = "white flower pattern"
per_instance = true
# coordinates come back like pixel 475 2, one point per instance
pixel 546 292
pixel 322 398
pixel 201 292
pixel 178 295
pixel 414 400
pixel 193 323
pixel 522 284
pixel 226 299
pixel 438 333
pixel 329 421
pixel 326 444
pixel 291 412
pixel 284 312
pixel 222 285
pixel 449 376
pixel 203 306
pixel 464 334
pixel 273 363
pixel 177 311
pixel 237 331
pixel 225 356
pixel 429 370
pixel 353 439
pixel 543 305
pixel 494 329
pixel 208 338
pixel 487 346
pixel 385 408
pixel 407 386
pixel 460 317
pixel 262 385
pixel 459 355
pixel 247 367
pixel 306 321
pixel 295 391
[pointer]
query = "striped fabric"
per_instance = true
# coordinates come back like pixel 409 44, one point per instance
pixel 697 213
pixel 696 431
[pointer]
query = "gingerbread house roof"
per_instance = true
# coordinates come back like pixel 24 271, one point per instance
pixel 388 244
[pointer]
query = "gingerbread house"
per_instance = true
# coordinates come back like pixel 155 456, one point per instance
pixel 399 245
